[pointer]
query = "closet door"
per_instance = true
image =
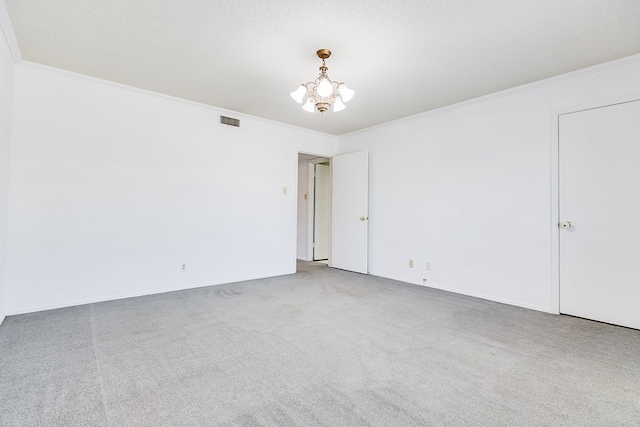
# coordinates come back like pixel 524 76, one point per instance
pixel 599 165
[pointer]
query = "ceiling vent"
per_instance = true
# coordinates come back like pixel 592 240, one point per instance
pixel 229 121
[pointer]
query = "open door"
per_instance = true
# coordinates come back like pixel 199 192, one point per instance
pixel 350 212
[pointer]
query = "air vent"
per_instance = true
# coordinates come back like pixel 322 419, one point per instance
pixel 229 121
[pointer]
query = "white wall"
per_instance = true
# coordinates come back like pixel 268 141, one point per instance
pixel 468 188
pixel 6 95
pixel 113 189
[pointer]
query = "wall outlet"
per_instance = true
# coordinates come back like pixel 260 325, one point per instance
pixel 427 265
pixel 410 263
pixel 183 267
pixel 284 190
pixel 424 281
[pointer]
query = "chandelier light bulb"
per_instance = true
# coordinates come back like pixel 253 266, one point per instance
pixel 324 88
pixel 299 93
pixel 309 106
pixel 338 106
pixel 345 93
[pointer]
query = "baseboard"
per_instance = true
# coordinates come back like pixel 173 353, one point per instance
pixel 470 294
pixel 74 303
pixel 36 308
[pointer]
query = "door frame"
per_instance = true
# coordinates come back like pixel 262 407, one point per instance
pixel 555 184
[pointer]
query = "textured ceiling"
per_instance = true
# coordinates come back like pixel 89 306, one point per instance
pixel 402 57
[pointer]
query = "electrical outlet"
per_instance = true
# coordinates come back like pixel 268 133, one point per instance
pixel 424 281
pixel 183 267
pixel 410 263
pixel 428 266
pixel 284 190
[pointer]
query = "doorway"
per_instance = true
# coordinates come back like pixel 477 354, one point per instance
pixel 314 208
pixel 332 210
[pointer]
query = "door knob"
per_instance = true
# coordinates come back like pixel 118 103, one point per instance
pixel 362 218
pixel 566 224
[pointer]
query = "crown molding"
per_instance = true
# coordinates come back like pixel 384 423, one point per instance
pixel 9 33
pixel 511 91
pixel 121 86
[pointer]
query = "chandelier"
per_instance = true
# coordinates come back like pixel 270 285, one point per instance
pixel 323 93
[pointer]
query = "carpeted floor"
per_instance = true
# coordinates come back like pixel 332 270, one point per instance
pixel 323 347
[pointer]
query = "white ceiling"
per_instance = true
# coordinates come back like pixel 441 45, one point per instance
pixel 402 57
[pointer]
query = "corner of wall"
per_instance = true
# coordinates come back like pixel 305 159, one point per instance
pixel 9 57
pixel 9 34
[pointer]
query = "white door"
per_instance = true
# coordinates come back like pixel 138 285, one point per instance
pixel 350 211
pixel 599 165
pixel 322 212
